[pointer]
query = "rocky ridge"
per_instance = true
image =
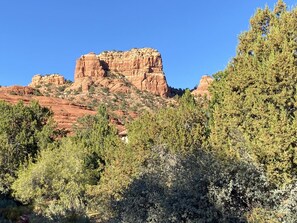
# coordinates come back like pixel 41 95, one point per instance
pixel 19 90
pixel 112 83
pixel 65 112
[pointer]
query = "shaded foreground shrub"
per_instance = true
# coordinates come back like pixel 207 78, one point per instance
pixel 193 188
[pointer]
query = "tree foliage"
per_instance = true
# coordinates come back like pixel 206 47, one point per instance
pixel 254 104
pixel 57 183
pixel 181 129
pixel 24 130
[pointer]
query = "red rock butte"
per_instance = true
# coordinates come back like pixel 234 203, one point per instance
pixel 142 67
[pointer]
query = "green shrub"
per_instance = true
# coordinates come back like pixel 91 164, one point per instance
pixel 181 129
pixel 92 89
pixel 62 88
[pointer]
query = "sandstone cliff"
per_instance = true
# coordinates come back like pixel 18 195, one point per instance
pixel 141 67
pixel 55 79
pixel 202 88
pixel 88 66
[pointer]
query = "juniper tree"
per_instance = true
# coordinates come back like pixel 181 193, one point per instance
pixel 254 104
pixel 24 130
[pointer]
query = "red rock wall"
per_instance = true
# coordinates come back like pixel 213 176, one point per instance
pixel 88 66
pixel 142 67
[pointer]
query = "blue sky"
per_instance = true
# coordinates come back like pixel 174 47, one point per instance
pixel 194 37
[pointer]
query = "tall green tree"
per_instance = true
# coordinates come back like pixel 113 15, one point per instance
pixel 24 130
pixel 96 134
pixel 254 104
pixel 181 130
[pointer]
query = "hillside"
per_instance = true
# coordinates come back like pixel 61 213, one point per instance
pixel 127 83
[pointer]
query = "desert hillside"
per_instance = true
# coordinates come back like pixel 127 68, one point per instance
pixel 127 83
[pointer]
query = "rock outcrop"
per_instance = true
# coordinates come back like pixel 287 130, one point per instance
pixel 202 88
pixel 88 66
pixel 55 79
pixel 142 67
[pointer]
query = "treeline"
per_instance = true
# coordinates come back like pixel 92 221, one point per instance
pixel 232 158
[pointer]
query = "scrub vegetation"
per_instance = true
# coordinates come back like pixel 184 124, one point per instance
pixel 230 158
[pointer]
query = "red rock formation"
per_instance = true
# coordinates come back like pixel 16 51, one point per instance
pixel 55 79
pixel 18 90
pixel 142 67
pixel 202 88
pixel 65 113
pixel 88 66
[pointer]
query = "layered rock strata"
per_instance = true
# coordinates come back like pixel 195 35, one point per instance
pixel 65 112
pixel 142 67
pixel 18 90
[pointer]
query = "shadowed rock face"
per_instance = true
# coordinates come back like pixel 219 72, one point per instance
pixel 202 88
pixel 142 67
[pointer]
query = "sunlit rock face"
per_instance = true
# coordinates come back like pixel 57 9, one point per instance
pixel 142 67
pixel 202 89
pixel 55 79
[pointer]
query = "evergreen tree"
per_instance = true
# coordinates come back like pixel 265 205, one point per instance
pixel 182 129
pixel 96 134
pixel 24 130
pixel 254 104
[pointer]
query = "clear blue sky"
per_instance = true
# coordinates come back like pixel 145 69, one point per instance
pixel 194 37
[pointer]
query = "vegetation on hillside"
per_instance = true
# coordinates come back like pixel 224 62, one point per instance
pixel 232 158
pixel 122 99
